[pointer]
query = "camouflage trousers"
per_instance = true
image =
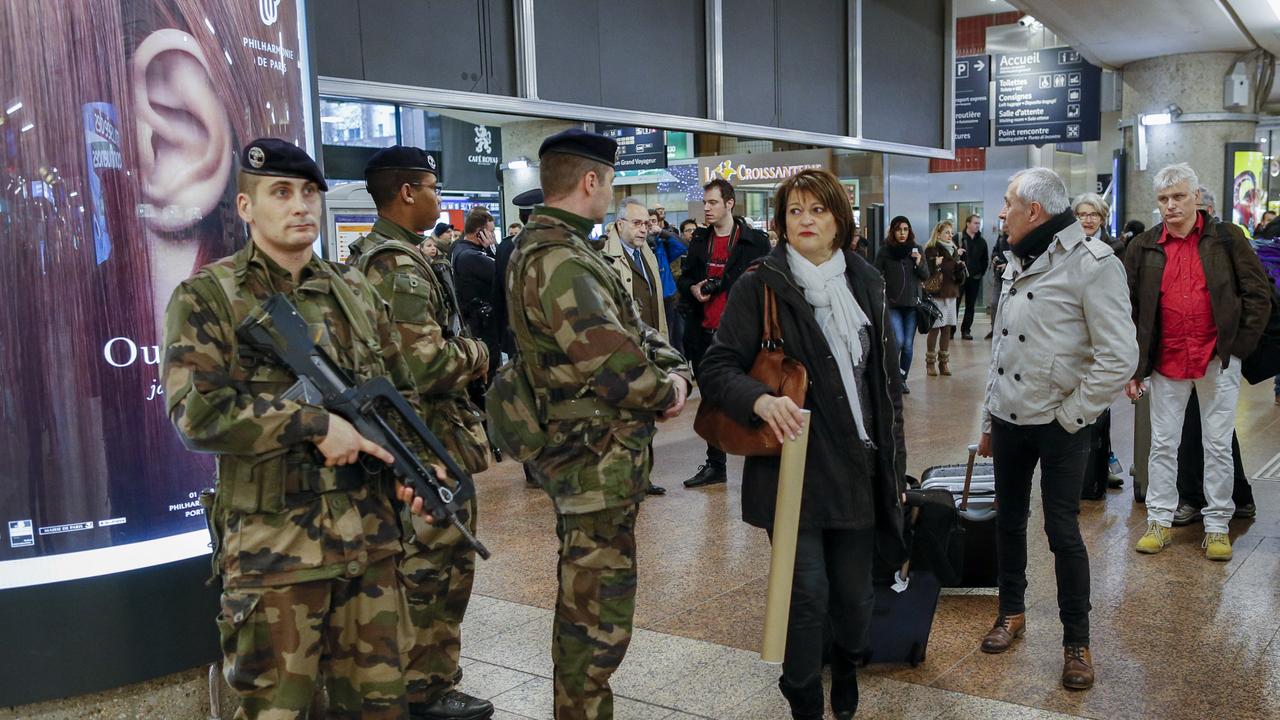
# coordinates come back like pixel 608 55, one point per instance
pixel 276 641
pixel 438 571
pixel 595 609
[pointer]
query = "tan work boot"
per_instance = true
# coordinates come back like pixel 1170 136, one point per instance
pixel 1077 667
pixel 930 364
pixel 1217 546
pixel 944 363
pixel 1004 632
pixel 1154 540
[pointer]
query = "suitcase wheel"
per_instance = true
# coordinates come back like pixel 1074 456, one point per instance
pixel 916 656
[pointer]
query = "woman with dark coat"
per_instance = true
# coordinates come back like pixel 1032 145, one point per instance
pixel 833 319
pixel 901 264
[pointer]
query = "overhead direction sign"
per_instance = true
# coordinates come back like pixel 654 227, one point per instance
pixel 973 99
pixel 639 148
pixel 1043 96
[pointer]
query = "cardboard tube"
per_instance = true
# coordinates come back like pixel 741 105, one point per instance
pixel 782 564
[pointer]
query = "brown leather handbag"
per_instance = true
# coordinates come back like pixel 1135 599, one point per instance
pixel 783 375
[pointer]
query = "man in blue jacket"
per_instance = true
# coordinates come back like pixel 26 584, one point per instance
pixel 668 248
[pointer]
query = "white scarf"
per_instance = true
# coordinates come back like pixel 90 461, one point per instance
pixel 838 315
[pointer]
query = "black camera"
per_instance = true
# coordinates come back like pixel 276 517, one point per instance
pixel 712 286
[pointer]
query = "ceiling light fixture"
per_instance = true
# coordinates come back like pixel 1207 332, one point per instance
pixel 1170 114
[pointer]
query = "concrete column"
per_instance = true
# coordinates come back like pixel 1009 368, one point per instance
pixel 1194 83
pixel 522 139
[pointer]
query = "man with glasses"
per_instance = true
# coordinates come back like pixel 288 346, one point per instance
pixel 438 567
pixel 628 253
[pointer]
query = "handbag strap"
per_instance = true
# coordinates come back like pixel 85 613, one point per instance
pixel 771 336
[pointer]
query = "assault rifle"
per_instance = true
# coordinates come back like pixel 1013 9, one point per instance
pixel 277 328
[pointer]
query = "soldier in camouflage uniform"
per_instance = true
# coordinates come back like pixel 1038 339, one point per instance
pixel 305 541
pixel 438 568
pixel 606 378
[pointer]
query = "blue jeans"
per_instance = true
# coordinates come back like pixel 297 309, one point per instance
pixel 903 321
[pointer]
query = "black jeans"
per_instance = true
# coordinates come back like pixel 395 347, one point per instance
pixel 832 580
pixel 1191 462
pixel 972 287
pixel 697 342
pixel 1061 455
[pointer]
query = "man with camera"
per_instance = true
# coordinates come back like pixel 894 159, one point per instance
pixel 718 255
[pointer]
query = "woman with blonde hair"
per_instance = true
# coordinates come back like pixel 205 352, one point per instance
pixel 947 273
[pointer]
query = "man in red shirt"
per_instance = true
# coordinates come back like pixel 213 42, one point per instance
pixel 1193 329
pixel 718 255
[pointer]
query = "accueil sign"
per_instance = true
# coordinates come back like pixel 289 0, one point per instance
pixel 760 168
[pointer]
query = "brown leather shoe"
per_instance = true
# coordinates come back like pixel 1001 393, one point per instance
pixel 1003 633
pixel 1077 667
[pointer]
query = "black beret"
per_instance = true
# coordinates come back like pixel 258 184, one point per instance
pixel 576 141
pixel 403 157
pixel 280 158
pixel 528 198
pixel 441 229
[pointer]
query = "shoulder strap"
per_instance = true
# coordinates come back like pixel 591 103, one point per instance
pixel 350 305
pixel 216 285
pixel 771 338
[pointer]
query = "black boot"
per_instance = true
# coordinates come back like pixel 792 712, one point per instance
pixel 707 474
pixel 844 682
pixel 453 705
pixel 806 702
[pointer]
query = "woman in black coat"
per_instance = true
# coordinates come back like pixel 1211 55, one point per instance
pixel 901 264
pixel 833 318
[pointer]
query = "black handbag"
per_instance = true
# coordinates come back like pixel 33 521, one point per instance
pixel 927 313
pixel 1264 362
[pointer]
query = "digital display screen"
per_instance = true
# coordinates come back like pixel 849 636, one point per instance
pixel 121 123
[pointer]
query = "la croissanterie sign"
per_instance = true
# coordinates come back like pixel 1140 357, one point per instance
pixel 761 168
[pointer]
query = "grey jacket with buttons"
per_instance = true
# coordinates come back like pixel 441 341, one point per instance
pixel 1065 342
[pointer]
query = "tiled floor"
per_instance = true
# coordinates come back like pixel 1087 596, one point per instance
pixel 1174 636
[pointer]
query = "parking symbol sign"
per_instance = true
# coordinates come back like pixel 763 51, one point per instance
pixel 20 533
pixel 962 69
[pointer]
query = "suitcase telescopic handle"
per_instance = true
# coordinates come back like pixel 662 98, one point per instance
pixel 905 572
pixel 968 477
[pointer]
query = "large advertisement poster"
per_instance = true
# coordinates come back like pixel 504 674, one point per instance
pixel 1245 190
pixel 119 129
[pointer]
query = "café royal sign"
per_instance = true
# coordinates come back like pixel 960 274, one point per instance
pixel 760 168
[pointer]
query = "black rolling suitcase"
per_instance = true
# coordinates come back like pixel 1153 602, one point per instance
pixel 974 487
pixel 907 597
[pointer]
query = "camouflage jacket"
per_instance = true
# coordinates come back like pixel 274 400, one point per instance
pixel 280 517
pixel 442 364
pixel 588 342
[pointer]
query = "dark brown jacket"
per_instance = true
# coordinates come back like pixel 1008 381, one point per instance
pixel 845 486
pixel 938 260
pixel 1239 291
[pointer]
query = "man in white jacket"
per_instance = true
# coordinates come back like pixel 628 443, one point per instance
pixel 1064 346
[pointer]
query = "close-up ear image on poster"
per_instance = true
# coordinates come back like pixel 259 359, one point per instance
pixel 120 122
